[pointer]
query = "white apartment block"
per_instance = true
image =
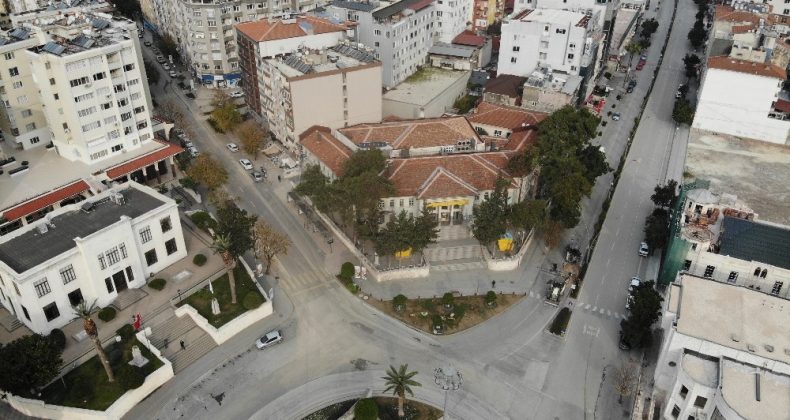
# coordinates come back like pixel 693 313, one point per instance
pixel 334 88
pixel 89 251
pixel 725 354
pixel 401 33
pixel 203 31
pixel 737 98
pixel 591 7
pixel 75 79
pixel 557 39
pixel 452 17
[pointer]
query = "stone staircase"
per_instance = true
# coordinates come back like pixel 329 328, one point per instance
pixel 194 351
pixel 170 330
pixel 128 297
pixel 443 254
pixel 458 265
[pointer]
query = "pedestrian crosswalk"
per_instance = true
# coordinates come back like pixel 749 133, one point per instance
pixel 452 253
pixel 602 312
pixel 474 265
pixel 304 280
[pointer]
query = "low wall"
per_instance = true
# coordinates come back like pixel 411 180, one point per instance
pixel 224 333
pixel 132 397
pixel 509 263
pixel 403 273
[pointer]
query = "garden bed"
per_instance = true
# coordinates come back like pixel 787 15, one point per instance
pixel 201 300
pixel 388 410
pixel 87 387
pixel 467 311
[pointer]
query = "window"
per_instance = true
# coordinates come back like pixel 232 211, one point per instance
pixel 24 310
pixel 91 126
pixel 122 248
pixel 392 203
pixel 732 277
pixel 411 202
pixel 498 133
pixel 30 127
pixel 150 257
pixel 686 265
pixel 560 31
pixel 87 111
pixel 170 247
pixel 99 76
pixel 108 283
pixel 570 56
pixel 777 288
pixel 34 140
pixel 128 67
pixel 516 49
pixel 763 273
pixel 99 154
pixel 125 116
pixel 51 311
pixel 512 59
pixel 709 271
pixel 675 412
pixel 21 99
pixel 165 224
pixel 129 274
pixel 116 148
pixel 67 274
pixel 10 55
pixel 683 391
pixel 102 261
pixel 113 256
pixel 700 402
pixel 139 109
pixel 16 289
pixel 13 71
pixel 75 297
pixel 79 82
pixel 757 271
pixel 17 84
pixel 84 97
pixel 27 113
pixel 42 287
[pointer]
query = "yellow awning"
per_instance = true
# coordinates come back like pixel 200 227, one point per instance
pixel 459 202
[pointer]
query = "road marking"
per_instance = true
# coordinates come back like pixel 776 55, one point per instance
pixel 612 248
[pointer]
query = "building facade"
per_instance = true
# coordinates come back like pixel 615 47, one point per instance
pixel 452 18
pixel 484 14
pixel 400 33
pixel 90 251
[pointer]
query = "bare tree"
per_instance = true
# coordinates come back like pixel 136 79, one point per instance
pixel 252 136
pixel 220 197
pixel 170 111
pixel 624 378
pixel 552 234
pixel 269 243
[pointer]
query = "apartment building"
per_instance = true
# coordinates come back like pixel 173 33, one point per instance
pixel 335 88
pixel 89 251
pixel 401 33
pixel 560 39
pixel 725 353
pixel 452 18
pixel 602 9
pixel 203 31
pixel 484 14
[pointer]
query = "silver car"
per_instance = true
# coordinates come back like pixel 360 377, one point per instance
pixel 271 338
pixel 257 176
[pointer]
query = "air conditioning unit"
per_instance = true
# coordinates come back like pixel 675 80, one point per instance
pixel 67 130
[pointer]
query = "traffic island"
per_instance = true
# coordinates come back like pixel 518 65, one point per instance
pixel 447 314
pixel 386 408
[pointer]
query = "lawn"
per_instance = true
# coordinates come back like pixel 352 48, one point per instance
pixel 466 311
pixel 87 386
pixel 388 410
pixel 201 300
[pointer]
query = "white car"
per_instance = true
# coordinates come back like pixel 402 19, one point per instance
pixel 246 164
pixel 236 94
pixel 193 151
pixel 643 249
pixel 635 282
pixel 173 73
pixel 270 339
pixel 166 66
pixel 232 147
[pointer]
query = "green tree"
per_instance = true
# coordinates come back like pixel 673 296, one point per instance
pixel 528 214
pixel 151 72
pixel 649 27
pixel 224 115
pixel 657 228
pixel 363 161
pixel 665 195
pixel 207 171
pixel 491 216
pixel 697 36
pixel 522 164
pixel 399 302
pixel 169 47
pixel 645 311
pixel 405 231
pixel 28 363
pixel 128 8
pixel 84 310
pixel 633 48
pixel 400 382
pixel 366 409
pixel 683 112
pixel 691 62
pixel 315 185
pixel 221 246
pixel 234 238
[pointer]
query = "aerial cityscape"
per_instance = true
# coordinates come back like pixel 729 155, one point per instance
pixel 395 209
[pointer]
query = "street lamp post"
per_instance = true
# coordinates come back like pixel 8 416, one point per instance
pixel 448 379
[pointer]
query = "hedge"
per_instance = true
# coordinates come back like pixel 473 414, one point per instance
pixel 157 284
pixel 199 260
pixel 107 314
pixel 252 300
pixel 58 338
pixel 366 409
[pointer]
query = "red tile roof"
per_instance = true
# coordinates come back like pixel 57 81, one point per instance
pixel 729 14
pixel 420 5
pixel 782 105
pixel 469 38
pixel 742 29
pixel 519 140
pixel 408 134
pixel 506 84
pixel 504 116
pixel 323 145
pixel 264 30
pixel 132 165
pixel 45 200
pixel 748 67
pixel 447 176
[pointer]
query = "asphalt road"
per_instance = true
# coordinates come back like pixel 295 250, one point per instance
pixel 336 346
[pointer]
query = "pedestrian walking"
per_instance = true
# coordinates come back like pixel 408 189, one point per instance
pixel 183 346
pixel 493 284
pixel 279 178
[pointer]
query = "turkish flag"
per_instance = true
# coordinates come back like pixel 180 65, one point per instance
pixel 138 322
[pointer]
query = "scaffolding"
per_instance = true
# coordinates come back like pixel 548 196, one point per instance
pixel 678 247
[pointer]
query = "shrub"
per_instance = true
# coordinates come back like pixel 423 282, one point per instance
pixel 199 260
pixel 366 409
pixel 130 377
pixel 188 182
pixel 203 220
pixel 114 354
pixel 107 314
pixel 346 271
pixel 428 304
pixel 560 322
pixel 252 300
pixel 437 321
pixel 126 332
pixel 491 298
pixel 607 75
pixel 157 284
pixel 448 299
pixel 58 338
pixel 399 302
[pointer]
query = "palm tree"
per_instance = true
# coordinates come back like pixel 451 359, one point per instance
pixel 221 246
pixel 633 48
pixel 400 382
pixel 83 310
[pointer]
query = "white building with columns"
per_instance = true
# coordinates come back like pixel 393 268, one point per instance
pixel 89 251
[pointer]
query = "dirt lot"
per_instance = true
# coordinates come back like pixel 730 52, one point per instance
pixel 466 312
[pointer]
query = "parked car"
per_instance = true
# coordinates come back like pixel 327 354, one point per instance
pixel 147 43
pixel 236 94
pixel 629 302
pixel 271 338
pixel 635 282
pixel 257 176
pixel 246 164
pixel 682 90
pixel 232 147
pixel 643 249
pixel 616 116
pixel 193 151
pixel 166 66
pixel 622 344
pixel 160 59
pixel 641 64
pixel 172 73
pixel 631 86
pixel 643 57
